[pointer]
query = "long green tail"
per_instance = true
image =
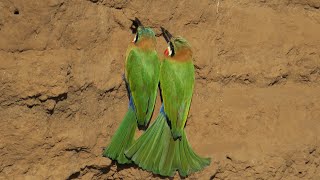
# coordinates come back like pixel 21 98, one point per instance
pixel 158 152
pixel 189 161
pixel 123 138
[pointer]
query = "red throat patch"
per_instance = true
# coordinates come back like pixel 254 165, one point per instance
pixel 166 52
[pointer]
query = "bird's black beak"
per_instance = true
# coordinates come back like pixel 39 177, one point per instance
pixel 165 33
pixel 135 24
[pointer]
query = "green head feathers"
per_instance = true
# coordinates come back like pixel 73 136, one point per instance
pixel 141 31
pixel 179 43
pixel 144 32
pixel 175 43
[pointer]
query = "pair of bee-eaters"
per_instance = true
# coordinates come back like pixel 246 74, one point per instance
pixel 164 147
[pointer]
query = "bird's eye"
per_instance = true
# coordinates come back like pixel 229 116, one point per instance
pixel 135 38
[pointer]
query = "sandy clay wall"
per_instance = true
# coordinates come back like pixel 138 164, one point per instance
pixel 255 109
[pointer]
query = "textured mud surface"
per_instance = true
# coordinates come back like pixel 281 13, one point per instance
pixel 255 109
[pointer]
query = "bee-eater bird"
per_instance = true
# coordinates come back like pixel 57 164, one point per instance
pixel 142 68
pixel 164 147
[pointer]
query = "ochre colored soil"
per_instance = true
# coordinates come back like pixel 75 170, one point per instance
pixel 255 109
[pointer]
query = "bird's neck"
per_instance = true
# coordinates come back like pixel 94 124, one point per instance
pixel 183 55
pixel 146 43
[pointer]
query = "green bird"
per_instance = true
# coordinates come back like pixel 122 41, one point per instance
pixel 164 147
pixel 142 68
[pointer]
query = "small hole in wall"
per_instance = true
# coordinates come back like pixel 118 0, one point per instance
pixel 16 12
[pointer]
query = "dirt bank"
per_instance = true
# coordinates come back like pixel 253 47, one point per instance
pixel 255 109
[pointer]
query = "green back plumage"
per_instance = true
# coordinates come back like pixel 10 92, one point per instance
pixel 177 82
pixel 142 73
pixel 164 147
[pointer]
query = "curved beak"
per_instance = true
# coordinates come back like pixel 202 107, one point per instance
pixel 135 24
pixel 165 33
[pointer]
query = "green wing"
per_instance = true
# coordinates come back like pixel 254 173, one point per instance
pixel 142 73
pixel 177 81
